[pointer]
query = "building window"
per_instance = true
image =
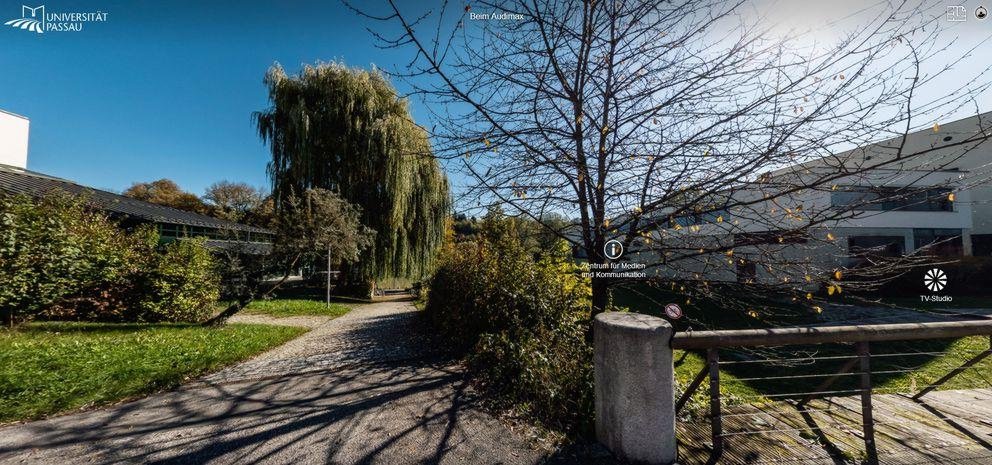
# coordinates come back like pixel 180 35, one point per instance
pixel 866 249
pixel 747 271
pixel 698 218
pixel 981 245
pixel 938 241
pixel 889 198
pixel 171 230
pixel 769 238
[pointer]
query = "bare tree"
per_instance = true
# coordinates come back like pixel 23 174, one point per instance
pixel 684 130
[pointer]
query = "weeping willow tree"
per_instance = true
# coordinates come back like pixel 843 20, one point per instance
pixel 347 130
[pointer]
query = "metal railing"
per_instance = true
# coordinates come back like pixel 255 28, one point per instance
pixel 857 365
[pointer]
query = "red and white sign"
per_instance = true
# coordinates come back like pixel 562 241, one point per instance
pixel 673 311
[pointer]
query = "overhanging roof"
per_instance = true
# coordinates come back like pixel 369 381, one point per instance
pixel 17 181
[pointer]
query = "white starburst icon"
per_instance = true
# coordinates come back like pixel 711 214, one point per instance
pixel 935 279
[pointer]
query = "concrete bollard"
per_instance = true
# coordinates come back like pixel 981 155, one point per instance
pixel 635 387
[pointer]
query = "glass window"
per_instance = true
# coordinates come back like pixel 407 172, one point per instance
pixel 867 249
pixel 769 238
pixel 170 230
pixel 939 241
pixel 981 245
pixel 857 199
pixel 746 271
pixel 882 246
pixel 888 199
pixel 699 218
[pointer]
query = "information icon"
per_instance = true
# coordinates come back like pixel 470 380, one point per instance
pixel 613 249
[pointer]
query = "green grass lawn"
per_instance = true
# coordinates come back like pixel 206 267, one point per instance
pixel 905 373
pixel 47 368
pixel 296 307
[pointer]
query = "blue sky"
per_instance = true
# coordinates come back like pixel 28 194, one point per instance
pixel 165 89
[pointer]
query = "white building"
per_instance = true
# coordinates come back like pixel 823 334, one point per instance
pixel 940 200
pixel 960 177
pixel 171 224
pixel 13 140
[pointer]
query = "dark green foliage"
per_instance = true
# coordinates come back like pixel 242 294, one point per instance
pixel 53 248
pixel 62 260
pixel 180 284
pixel 347 130
pixel 319 223
pixel 464 228
pixel 523 322
pixel 318 227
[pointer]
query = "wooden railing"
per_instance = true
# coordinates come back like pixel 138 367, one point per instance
pixel 860 335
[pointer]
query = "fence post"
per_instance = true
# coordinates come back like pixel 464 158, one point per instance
pixel 716 420
pixel 635 388
pixel 867 417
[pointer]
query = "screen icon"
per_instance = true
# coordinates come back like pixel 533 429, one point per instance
pixel 957 13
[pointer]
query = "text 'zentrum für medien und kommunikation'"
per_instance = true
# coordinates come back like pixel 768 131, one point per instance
pixel 630 270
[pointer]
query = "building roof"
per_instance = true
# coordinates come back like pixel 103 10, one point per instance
pixel 18 181
pixel 924 139
pixel 12 114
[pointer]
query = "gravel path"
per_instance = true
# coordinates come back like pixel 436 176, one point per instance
pixel 303 321
pixel 363 388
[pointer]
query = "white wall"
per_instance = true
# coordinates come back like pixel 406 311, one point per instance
pixel 974 161
pixel 13 140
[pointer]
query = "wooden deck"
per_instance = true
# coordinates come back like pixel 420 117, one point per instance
pixel 945 427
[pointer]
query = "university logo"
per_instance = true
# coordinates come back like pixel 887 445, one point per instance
pixel 32 19
pixel 36 19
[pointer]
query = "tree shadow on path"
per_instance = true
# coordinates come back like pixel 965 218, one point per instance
pixel 381 393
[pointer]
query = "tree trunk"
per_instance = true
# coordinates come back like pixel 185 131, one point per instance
pixel 344 269
pixel 8 319
pixel 600 295
pixel 351 286
pixel 244 300
pixel 230 311
pixel 328 277
pixel 600 285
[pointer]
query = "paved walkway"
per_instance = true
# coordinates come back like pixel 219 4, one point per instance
pixel 944 427
pixel 365 388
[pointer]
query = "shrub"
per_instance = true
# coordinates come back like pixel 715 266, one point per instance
pixel 54 248
pixel 62 260
pixel 114 295
pixel 522 322
pixel 181 284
